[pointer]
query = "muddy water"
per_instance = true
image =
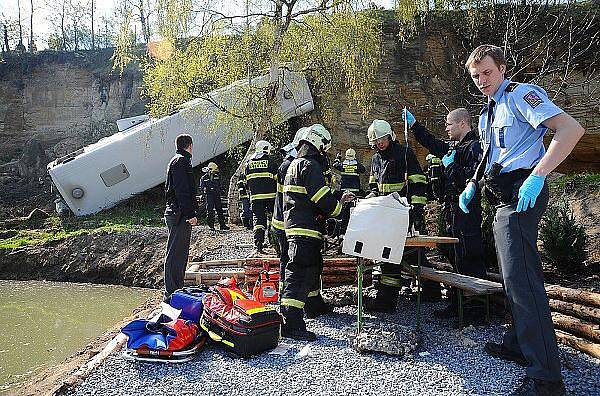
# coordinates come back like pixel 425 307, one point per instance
pixel 42 323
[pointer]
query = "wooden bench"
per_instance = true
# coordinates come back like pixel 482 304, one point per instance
pixel 466 287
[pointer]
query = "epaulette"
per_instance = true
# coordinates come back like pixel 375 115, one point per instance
pixel 511 86
pixel 483 109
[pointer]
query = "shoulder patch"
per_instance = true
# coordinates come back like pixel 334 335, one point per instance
pixel 533 99
pixel 511 86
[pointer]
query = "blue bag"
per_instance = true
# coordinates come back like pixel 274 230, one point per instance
pixel 190 301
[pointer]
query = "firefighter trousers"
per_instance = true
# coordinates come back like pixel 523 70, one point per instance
pixel 262 210
pixel 302 276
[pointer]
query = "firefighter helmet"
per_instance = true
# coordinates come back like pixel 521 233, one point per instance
pixel 288 148
pixel 212 167
pixel 350 154
pixel 262 146
pixel 318 136
pixel 379 129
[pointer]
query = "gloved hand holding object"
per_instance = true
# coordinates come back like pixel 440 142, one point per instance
pixel 466 196
pixel 529 191
pixel 448 158
pixel 410 118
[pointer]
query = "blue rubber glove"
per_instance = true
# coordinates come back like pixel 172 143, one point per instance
pixel 529 191
pixel 448 158
pixel 411 118
pixel 466 196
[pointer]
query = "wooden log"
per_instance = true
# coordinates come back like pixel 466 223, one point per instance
pixel 582 345
pixel 577 310
pixel 252 271
pixel 582 297
pixel 580 328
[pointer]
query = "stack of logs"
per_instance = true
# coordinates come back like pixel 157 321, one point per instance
pixel 576 317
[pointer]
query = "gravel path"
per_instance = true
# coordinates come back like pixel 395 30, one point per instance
pixel 448 363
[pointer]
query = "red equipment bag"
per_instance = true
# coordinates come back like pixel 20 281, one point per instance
pixel 266 289
pixel 246 327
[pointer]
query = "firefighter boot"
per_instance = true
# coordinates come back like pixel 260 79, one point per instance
pixel 316 306
pixel 293 325
pixel 386 300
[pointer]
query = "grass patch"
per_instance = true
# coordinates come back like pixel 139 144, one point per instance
pixel 588 182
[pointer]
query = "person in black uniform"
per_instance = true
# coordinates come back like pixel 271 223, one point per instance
pixel 350 170
pixel 459 161
pixel 180 213
pixel 210 184
pixel 245 212
pixel 514 168
pixel 307 201
pixel 260 176
pixel 392 167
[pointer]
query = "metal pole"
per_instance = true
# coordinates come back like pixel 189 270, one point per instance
pixel 360 269
pixel 419 289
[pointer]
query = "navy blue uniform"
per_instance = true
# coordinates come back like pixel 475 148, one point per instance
pixel 210 184
pixel 512 126
pixel 260 177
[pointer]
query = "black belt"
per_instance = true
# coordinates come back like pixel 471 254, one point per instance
pixel 503 189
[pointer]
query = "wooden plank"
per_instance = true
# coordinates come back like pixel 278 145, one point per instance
pixel 582 297
pixel 578 327
pixel 590 314
pixel 464 282
pixel 428 241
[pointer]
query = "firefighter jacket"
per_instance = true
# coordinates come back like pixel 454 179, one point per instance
pixel 242 188
pixel 277 221
pixel 435 178
pixel 468 155
pixel 350 172
pixel 210 183
pixel 307 199
pixel 389 169
pixel 260 176
pixel 180 188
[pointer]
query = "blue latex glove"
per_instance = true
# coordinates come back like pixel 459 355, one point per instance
pixel 466 196
pixel 529 192
pixel 411 118
pixel 448 158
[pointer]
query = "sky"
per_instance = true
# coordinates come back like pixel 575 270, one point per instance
pixel 42 11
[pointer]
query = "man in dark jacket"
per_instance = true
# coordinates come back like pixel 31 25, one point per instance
pixel 350 170
pixel 210 184
pixel 180 213
pixel 307 201
pixel 460 157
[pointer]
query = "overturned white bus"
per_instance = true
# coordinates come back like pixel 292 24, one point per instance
pixel 134 159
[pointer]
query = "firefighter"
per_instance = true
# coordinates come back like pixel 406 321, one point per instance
pixel 350 170
pixel 307 201
pixel 210 184
pixel 245 212
pixel 435 178
pixel 394 167
pixel 260 176
pixel 460 157
pixel 289 152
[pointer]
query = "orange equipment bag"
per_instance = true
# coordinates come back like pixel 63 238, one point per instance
pixel 266 289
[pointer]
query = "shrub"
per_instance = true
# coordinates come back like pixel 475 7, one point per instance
pixel 563 238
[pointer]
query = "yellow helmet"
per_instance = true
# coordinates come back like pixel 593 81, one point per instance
pixel 379 129
pixel 262 146
pixel 350 154
pixel 318 136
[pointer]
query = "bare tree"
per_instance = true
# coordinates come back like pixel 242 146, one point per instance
pixel 93 36
pixel 31 28
pixel 20 46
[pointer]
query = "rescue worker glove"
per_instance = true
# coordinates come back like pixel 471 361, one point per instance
pixel 410 118
pixel 466 196
pixel 371 195
pixel 448 158
pixel 529 191
pixel 347 197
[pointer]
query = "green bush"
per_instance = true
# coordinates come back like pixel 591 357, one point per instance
pixel 563 238
pixel 487 234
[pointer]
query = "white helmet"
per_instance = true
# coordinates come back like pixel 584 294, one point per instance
pixel 379 129
pixel 318 136
pixel 350 154
pixel 262 146
pixel 212 167
pixel 287 149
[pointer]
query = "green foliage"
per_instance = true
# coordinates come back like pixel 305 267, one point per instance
pixel 487 234
pixel 586 182
pixel 563 238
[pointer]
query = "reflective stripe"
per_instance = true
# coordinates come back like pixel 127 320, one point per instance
pixel 314 293
pixel 337 210
pixel 243 196
pixel 254 197
pixel 349 174
pixel 296 189
pixel 417 178
pixel 319 194
pixel 214 336
pixel 256 310
pixel 267 175
pixel 390 187
pixel 303 232
pixel 258 227
pixel 277 224
pixel 436 160
pixel 390 281
pixel 351 189
pixel 372 179
pixel 290 302
pixel 279 188
pixel 418 199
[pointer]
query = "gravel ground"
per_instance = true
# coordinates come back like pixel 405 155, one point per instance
pixel 448 362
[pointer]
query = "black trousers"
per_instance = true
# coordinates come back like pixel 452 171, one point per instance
pixel 284 257
pixel 532 332
pixel 302 275
pixel 262 209
pixel 388 284
pixel 246 213
pixel 213 204
pixel 469 255
pixel 178 249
